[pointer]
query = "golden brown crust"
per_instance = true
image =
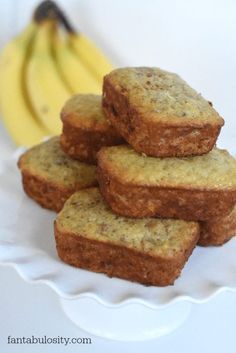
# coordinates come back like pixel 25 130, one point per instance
pixel 218 231
pixel 157 139
pixel 119 261
pixel 140 201
pixel 52 188
pixel 83 143
pixel 48 195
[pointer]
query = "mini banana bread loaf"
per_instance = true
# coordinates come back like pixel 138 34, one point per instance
pixel 49 176
pixel 150 251
pixel 158 114
pixel 85 128
pixel 194 188
pixel 218 230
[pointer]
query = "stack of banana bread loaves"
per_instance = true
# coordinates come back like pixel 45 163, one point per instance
pixel 136 177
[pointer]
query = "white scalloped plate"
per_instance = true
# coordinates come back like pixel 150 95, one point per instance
pixel 27 243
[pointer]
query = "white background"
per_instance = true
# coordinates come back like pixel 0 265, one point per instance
pixel 193 38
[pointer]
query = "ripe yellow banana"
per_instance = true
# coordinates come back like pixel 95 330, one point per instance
pixel 17 114
pixel 90 55
pixel 45 86
pixel 40 69
pixel 87 52
pixel 76 75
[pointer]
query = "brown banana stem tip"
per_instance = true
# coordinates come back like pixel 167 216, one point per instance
pixel 64 20
pixel 45 10
pixel 48 9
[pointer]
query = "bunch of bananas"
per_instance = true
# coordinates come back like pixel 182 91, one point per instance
pixel 40 69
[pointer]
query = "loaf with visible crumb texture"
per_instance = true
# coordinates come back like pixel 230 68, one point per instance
pixel 193 188
pixel 158 114
pixel 150 251
pixel 218 230
pixel 85 128
pixel 49 176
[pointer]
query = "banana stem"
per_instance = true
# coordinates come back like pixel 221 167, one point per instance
pixel 64 20
pixel 48 9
